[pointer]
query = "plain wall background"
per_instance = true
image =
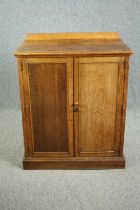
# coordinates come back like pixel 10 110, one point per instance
pixel 18 17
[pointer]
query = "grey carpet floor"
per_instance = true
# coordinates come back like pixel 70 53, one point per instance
pixel 67 190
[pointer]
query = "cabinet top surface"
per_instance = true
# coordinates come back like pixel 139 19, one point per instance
pixel 84 43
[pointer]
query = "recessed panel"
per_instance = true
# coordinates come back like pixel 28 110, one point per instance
pixel 97 104
pixel 48 95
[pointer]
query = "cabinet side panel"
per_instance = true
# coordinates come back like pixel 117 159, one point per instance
pixel 48 94
pixel 126 72
pixel 97 105
pixel 20 77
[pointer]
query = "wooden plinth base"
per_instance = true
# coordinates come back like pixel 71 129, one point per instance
pixel 75 163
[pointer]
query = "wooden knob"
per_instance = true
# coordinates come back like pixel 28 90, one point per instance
pixel 75 109
pixel 76 103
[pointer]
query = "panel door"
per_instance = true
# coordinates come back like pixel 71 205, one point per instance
pixel 98 94
pixel 48 110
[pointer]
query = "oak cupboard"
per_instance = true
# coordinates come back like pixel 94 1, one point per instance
pixel 73 89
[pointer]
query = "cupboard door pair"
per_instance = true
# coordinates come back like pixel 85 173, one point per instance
pixel 72 109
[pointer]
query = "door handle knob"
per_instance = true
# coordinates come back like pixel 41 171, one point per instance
pixel 76 108
pixel 76 103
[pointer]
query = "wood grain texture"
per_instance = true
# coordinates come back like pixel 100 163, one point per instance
pixel 48 94
pixel 72 36
pixel 97 94
pixel 21 90
pixel 73 90
pixel 73 44
pixel 75 163
pixel 50 105
pixel 27 108
pixel 124 105
pixel 119 110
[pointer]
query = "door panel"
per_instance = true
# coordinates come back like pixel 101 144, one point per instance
pixel 97 93
pixel 50 88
